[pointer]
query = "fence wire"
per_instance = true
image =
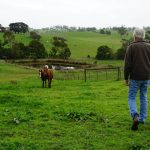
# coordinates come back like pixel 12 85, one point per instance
pixel 115 73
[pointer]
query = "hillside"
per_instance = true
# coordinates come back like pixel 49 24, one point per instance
pixel 71 115
pixel 81 44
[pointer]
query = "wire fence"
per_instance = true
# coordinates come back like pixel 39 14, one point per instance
pixel 113 73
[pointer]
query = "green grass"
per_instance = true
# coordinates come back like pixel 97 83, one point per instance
pixel 72 115
pixel 81 44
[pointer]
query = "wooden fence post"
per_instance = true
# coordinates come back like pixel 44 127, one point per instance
pixel 118 68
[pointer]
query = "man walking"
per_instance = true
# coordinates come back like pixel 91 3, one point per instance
pixel 137 69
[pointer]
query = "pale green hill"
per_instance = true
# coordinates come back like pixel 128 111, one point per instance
pixel 85 43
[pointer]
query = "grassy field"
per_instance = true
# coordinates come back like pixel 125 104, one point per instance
pixel 81 44
pixel 72 115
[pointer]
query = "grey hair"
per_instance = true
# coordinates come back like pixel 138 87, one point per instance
pixel 139 33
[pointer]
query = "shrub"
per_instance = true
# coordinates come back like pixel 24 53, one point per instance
pixel 104 52
pixel 120 54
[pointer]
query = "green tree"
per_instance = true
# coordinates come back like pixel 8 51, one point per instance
pixel 102 31
pixel 108 32
pixel 18 27
pixel 122 30
pixel 9 38
pixel 60 48
pixel 5 53
pixel 64 53
pixel 53 52
pixel 36 49
pixel 104 52
pixel 147 35
pixel 120 54
pixel 18 50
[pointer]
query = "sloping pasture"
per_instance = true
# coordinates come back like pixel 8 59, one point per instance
pixel 83 44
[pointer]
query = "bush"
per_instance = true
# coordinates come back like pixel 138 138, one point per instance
pixel 120 54
pixel 104 52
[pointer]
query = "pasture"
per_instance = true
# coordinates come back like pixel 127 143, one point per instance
pixel 72 115
pixel 83 44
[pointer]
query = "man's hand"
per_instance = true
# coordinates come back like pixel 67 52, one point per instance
pixel 126 82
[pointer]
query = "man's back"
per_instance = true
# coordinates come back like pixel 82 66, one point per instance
pixel 138 60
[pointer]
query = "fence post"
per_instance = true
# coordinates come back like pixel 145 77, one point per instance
pixel 118 68
pixel 85 75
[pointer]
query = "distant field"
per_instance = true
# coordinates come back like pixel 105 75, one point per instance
pixel 72 115
pixel 81 44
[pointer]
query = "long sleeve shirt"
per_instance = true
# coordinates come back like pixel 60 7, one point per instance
pixel 137 61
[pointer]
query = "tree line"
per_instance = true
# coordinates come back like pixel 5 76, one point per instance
pixel 11 49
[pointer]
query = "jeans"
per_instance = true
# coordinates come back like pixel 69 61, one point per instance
pixel 134 86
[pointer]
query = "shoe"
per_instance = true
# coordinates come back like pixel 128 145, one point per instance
pixel 135 123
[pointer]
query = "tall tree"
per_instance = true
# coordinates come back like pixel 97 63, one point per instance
pixel 60 48
pixel 36 49
pixel 18 27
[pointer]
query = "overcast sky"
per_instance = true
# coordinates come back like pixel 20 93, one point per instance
pixel 83 13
